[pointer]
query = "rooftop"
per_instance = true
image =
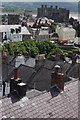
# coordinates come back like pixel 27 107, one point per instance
pixel 7 28
pixel 61 105
pixel 44 32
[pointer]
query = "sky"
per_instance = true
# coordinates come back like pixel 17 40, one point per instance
pixel 39 0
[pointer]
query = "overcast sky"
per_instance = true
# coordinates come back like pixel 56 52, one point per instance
pixel 39 0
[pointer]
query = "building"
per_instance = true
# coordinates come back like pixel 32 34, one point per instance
pixel 27 12
pixel 58 15
pixel 13 19
pixel 40 34
pixel 66 33
pixel 36 104
pixel 43 34
pixel 54 37
pixel 14 33
pixel 29 61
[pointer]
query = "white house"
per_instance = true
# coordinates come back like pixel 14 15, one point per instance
pixel 40 33
pixel 14 32
pixel 43 34
pixel 66 33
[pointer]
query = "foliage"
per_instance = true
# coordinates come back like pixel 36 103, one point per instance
pixel 75 50
pixel 32 47
pixel 53 26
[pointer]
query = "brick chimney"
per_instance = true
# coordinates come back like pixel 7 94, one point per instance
pixel 57 78
pixel 16 73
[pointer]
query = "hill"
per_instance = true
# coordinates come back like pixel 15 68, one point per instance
pixel 72 6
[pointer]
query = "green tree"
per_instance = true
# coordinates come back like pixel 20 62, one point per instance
pixel 34 52
pixel 53 26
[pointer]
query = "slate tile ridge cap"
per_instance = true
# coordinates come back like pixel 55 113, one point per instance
pixel 24 66
pixel 3 97
pixel 71 81
pixel 7 64
pixel 43 92
pixel 43 66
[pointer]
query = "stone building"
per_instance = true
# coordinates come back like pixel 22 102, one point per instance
pixel 57 14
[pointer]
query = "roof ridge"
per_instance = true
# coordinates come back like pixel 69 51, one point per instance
pixel 74 79
pixel 43 92
pixel 25 66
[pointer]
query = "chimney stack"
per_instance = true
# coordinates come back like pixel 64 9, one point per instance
pixel 42 6
pixel 51 6
pixel 4 85
pixel 56 7
pixel 17 84
pixel 58 78
pixel 45 6
pixel 74 57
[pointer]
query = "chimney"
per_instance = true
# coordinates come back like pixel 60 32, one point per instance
pixel 45 6
pixel 16 73
pixel 42 6
pixel 74 57
pixel 56 7
pixel 17 84
pixel 21 89
pixel 51 6
pixel 40 61
pixel 4 85
pixel 57 78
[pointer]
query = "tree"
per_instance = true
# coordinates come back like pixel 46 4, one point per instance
pixel 53 26
pixel 34 52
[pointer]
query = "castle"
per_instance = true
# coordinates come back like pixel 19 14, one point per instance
pixel 57 14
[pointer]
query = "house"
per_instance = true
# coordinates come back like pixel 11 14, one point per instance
pixel 40 75
pixel 14 33
pixel 40 34
pixel 55 37
pixel 35 104
pixel 66 33
pixel 43 34
pixel 44 20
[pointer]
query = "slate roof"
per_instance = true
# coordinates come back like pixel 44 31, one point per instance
pixel 66 68
pixel 63 105
pixel 30 62
pixel 44 32
pixel 26 73
pixel 75 71
pixel 7 71
pixel 42 79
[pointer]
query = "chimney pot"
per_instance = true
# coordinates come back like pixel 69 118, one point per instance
pixel 45 6
pixel 21 89
pixel 42 6
pixel 51 6
pixel 16 73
